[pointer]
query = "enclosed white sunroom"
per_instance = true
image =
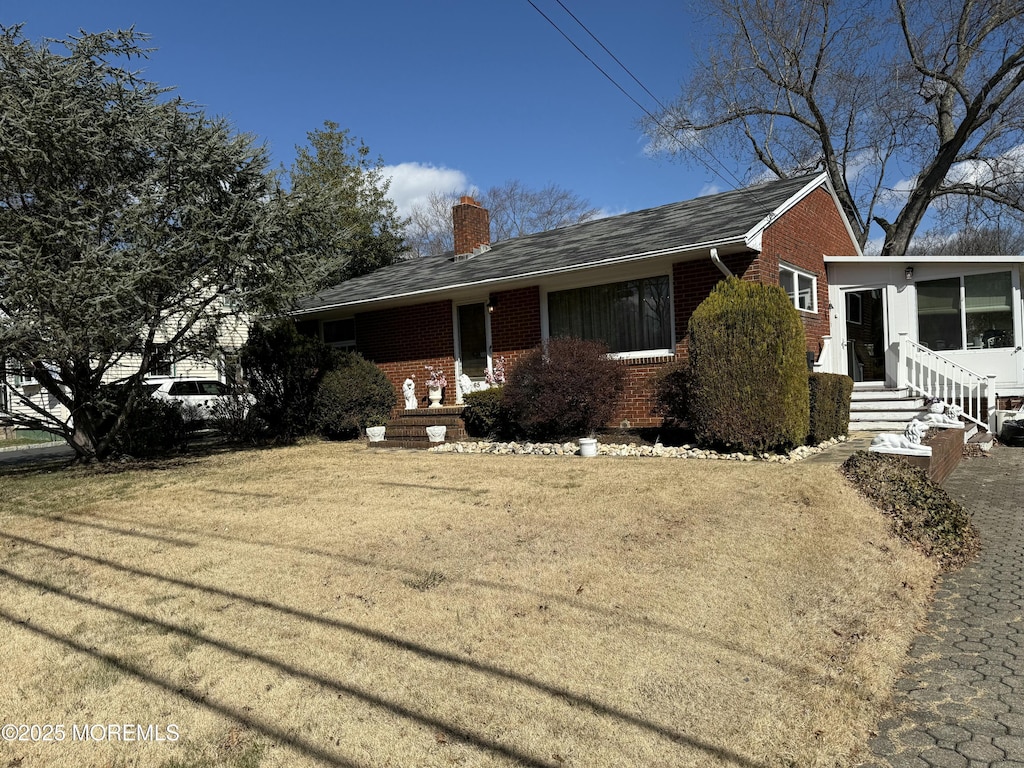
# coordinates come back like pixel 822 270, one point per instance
pixel 948 327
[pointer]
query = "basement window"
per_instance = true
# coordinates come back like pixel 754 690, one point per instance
pixel 801 286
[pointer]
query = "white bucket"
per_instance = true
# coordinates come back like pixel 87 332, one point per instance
pixel 588 446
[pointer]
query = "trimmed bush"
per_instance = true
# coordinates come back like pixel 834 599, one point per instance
pixel 830 406
pixel 484 415
pixel 566 388
pixel 672 392
pixel 355 395
pixel 284 370
pixel 921 512
pixel 749 369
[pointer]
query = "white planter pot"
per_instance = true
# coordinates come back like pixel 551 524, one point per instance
pixel 588 446
pixel 937 408
pixel 434 395
pixel 375 434
pixel 436 434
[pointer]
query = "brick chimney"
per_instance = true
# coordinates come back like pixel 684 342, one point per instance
pixel 472 224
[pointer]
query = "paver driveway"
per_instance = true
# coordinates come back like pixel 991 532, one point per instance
pixel 962 694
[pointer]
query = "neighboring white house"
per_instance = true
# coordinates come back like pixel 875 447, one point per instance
pixel 24 396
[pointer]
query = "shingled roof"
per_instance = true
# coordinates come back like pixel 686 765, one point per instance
pixel 701 223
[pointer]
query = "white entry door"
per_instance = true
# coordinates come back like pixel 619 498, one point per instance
pixel 865 335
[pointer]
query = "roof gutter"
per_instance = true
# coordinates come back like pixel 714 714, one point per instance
pixel 717 261
pixel 538 273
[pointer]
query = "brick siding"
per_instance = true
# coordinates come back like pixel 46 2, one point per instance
pixel 802 237
pixel 403 340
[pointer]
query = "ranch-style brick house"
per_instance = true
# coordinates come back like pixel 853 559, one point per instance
pixel 631 281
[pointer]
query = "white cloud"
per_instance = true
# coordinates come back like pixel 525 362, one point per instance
pixel 412 183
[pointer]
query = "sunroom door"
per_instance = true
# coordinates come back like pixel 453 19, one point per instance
pixel 865 335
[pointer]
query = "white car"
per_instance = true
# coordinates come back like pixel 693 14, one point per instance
pixel 197 396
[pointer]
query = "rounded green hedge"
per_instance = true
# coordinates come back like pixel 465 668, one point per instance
pixel 748 367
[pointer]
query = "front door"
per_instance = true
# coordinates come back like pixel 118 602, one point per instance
pixel 865 335
pixel 472 341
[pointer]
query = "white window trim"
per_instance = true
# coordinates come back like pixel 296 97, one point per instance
pixel 545 324
pixel 814 287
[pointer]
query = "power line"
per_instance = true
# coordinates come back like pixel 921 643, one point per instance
pixel 614 57
pixel 672 134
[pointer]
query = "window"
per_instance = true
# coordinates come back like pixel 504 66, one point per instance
pixel 632 316
pixel 160 364
pixel 340 334
pixel 978 308
pixel 854 309
pixel 988 306
pixel 802 287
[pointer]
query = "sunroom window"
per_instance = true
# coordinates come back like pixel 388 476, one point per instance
pixel 631 316
pixel 801 286
pixel 978 308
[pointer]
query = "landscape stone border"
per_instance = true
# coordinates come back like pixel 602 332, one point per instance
pixel 631 449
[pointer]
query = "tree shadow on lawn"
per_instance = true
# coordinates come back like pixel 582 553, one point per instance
pixel 393 641
pixel 573 602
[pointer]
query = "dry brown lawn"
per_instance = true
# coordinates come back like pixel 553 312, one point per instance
pixel 327 604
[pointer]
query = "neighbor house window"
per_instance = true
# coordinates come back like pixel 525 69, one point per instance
pixel 632 316
pixel 340 334
pixel 160 364
pixel 977 309
pixel 801 286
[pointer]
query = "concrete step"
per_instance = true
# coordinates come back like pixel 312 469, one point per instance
pixel 881 393
pixel 884 415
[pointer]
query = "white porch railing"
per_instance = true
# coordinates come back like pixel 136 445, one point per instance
pixel 824 356
pixel 927 373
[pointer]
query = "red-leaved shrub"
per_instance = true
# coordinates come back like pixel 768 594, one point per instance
pixel 566 388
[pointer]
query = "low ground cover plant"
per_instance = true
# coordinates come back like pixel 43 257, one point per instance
pixel 920 511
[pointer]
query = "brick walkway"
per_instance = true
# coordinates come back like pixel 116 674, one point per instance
pixel 961 698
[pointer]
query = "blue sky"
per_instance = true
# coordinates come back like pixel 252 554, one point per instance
pixel 451 93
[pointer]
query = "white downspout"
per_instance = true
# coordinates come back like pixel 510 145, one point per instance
pixel 718 263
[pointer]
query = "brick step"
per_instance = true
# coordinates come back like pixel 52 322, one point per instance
pixel 426 421
pixel 417 444
pixel 403 432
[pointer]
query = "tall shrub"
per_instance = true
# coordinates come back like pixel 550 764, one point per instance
pixel 355 395
pixel 749 369
pixel 284 370
pixel 565 388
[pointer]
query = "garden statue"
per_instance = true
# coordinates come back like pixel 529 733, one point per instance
pixel 907 444
pixel 409 391
pixel 951 418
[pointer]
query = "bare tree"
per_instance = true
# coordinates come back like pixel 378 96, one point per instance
pixel 903 107
pixel 515 211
